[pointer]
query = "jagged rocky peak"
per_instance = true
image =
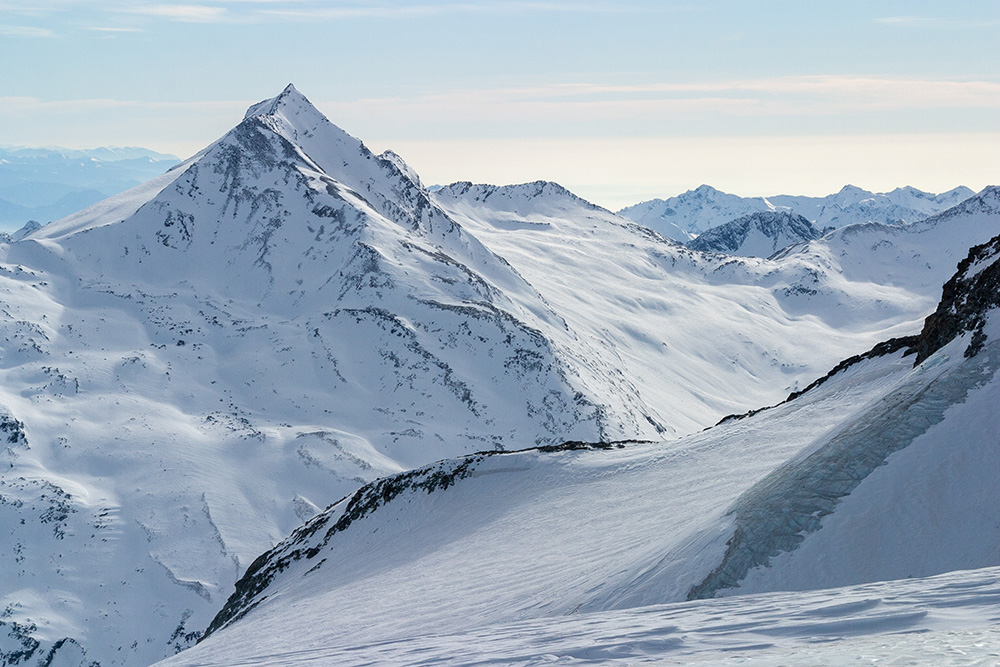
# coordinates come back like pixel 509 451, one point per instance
pixel 966 301
pixel 288 200
pixel 290 98
pixel 706 190
pixel 852 191
pixel 332 151
pixel 910 195
pixel 528 190
pixel 758 234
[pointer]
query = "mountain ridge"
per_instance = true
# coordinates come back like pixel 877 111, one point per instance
pixel 690 213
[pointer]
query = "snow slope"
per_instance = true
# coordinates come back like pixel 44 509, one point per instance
pixel 883 471
pixel 699 335
pixel 695 211
pixel 756 235
pixel 191 369
pixel 949 619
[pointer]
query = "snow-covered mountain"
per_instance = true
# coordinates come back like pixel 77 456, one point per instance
pixel 852 205
pixel 203 362
pixel 191 369
pixel 682 217
pixel 756 235
pixel 883 471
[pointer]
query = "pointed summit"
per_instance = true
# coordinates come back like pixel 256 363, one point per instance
pixel 289 98
pixel 305 135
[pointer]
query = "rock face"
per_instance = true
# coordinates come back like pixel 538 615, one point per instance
pixel 968 297
pixel 756 235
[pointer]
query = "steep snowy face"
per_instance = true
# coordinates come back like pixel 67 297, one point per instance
pixel 756 235
pixel 285 200
pixel 200 364
pixel 880 472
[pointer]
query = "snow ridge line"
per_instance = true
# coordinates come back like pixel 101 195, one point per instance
pixel 366 500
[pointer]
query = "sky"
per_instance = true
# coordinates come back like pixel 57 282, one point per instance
pixel 618 101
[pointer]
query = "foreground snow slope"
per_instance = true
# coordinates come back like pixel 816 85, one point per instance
pixel 882 471
pixel 949 619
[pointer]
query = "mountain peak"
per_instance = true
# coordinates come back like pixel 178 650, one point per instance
pixel 758 234
pixel 705 189
pixel 290 99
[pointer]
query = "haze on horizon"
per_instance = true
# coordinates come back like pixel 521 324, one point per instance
pixel 619 102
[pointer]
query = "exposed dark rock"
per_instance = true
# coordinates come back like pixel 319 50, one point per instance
pixel 965 301
pixel 781 228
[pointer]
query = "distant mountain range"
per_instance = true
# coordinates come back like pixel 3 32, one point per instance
pixel 683 217
pixel 45 184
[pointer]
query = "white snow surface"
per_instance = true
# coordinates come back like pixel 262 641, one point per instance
pixel 202 363
pixel 949 619
pixel 684 216
pixel 573 556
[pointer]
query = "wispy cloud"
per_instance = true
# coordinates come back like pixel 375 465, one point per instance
pixel 113 30
pixel 393 11
pixel 25 31
pixel 831 94
pixel 13 106
pixel 935 22
pixel 260 10
pixel 779 96
pixel 183 13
